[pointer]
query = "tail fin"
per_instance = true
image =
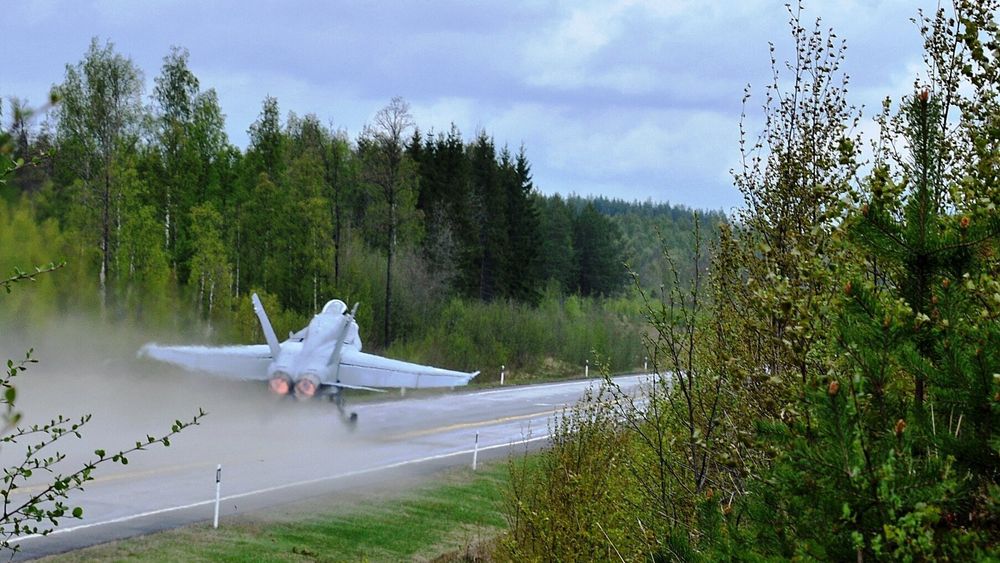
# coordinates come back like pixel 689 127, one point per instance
pixel 265 325
pixel 335 356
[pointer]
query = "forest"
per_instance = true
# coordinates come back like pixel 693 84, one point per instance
pixel 831 386
pixel 455 255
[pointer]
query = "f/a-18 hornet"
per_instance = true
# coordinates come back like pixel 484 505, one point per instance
pixel 322 359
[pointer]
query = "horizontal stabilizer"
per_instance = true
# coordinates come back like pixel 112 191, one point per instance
pixel 238 362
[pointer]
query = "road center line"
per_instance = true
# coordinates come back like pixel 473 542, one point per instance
pixel 460 425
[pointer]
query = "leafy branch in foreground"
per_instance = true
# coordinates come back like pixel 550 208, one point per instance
pixel 48 505
pixel 20 275
pixel 25 512
pixel 31 512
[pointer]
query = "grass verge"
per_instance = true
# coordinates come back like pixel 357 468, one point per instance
pixel 460 509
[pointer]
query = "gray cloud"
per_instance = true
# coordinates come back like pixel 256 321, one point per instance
pixel 633 99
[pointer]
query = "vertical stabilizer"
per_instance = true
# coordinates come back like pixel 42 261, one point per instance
pixel 335 357
pixel 265 325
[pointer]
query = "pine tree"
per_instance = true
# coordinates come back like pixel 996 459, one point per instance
pixel 929 253
pixel 894 451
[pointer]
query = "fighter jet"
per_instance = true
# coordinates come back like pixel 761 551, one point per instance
pixel 322 359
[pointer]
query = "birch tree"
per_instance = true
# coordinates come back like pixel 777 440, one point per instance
pixel 99 118
pixel 392 180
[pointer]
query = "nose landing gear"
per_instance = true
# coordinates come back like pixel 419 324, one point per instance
pixel 351 420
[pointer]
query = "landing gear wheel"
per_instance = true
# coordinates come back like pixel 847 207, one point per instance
pixel 350 420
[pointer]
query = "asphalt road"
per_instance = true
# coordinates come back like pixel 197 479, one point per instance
pixel 273 453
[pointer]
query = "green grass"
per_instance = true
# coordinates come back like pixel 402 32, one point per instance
pixel 459 509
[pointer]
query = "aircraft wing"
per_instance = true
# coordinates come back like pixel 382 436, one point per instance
pixel 367 370
pixel 238 362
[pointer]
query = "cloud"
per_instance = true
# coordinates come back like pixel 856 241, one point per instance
pixel 628 153
pixel 583 47
pixel 631 98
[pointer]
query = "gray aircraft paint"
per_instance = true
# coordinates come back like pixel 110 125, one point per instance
pixel 321 359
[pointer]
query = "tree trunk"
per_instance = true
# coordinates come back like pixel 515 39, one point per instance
pixel 201 293
pixel 166 222
pixel 336 238
pixel 106 242
pixel 211 303
pixel 238 252
pixel 388 269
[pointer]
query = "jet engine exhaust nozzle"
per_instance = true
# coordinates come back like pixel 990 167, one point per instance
pixel 306 387
pixel 280 384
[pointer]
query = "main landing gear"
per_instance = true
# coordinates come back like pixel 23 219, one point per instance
pixel 351 420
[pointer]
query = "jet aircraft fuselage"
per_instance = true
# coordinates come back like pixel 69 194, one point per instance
pixel 306 359
pixel 323 358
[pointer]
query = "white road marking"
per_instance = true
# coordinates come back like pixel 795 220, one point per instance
pixel 273 489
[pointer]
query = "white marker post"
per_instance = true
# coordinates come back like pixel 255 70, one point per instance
pixel 475 453
pixel 586 370
pixel 502 368
pixel 645 364
pixel 218 491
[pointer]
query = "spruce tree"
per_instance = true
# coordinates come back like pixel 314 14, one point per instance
pixel 522 230
pixel 556 245
pixel 598 253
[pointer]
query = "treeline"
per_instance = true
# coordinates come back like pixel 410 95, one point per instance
pixel 830 387
pixel 651 231
pixel 153 207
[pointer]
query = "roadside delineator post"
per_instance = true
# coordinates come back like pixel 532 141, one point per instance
pixel 475 453
pixel 645 364
pixel 586 370
pixel 502 369
pixel 218 491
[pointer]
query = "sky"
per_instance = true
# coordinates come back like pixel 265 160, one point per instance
pixel 631 99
